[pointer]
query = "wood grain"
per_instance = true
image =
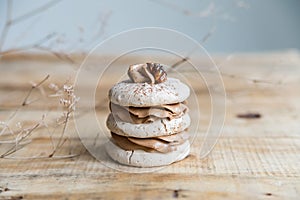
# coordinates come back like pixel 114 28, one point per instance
pixel 253 159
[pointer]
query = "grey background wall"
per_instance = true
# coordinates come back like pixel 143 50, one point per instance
pixel 238 26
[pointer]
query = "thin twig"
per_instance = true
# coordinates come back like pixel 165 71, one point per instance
pixel 24 102
pixel 7 23
pixel 183 60
pixel 10 22
pixel 33 87
pixel 202 41
pixel 14 148
pixel 6 127
pixel 203 13
pixel 59 55
pixel 208 35
pixel 69 101
pixel 29 46
pixel 60 141
pixel 172 6
pixel 35 11
pixel 103 23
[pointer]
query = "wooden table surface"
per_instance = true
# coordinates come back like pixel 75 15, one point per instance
pixel 254 158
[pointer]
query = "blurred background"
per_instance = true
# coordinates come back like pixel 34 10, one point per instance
pixel 222 26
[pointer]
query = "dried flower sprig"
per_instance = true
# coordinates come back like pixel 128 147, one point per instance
pixel 69 101
pixel 20 137
pixel 23 133
pixel 24 103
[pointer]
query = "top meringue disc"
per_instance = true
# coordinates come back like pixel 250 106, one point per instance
pixel 128 93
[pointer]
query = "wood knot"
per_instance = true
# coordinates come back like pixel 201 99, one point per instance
pixel 249 115
pixel 268 194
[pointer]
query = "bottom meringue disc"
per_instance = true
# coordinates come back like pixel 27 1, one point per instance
pixel 140 158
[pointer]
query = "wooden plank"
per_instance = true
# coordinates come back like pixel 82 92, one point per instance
pixel 254 158
pixel 257 157
pixel 237 167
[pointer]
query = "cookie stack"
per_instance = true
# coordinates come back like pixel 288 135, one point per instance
pixel 148 119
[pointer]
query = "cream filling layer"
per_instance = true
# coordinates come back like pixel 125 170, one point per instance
pixel 139 115
pixel 163 144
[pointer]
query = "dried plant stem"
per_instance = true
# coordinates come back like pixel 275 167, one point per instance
pixel 183 60
pixel 234 76
pixel 6 127
pixel 203 40
pixel 169 4
pixel 172 6
pixel 10 22
pixel 24 103
pixel 35 11
pixel 7 141
pixel 103 24
pixel 7 23
pixel 36 44
pixel 61 141
pixel 208 34
pixel 22 134
pixel 69 101
pixel 59 55
pixel 34 87
pixel 15 148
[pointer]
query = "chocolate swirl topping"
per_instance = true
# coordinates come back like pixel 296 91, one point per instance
pixel 152 73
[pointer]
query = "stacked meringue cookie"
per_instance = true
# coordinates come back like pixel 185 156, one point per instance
pixel 148 119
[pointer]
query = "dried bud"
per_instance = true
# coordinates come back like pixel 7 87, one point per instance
pixel 149 72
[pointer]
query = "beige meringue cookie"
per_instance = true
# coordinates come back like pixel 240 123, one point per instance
pixel 127 93
pixel 140 158
pixel 149 118
pixel 159 127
